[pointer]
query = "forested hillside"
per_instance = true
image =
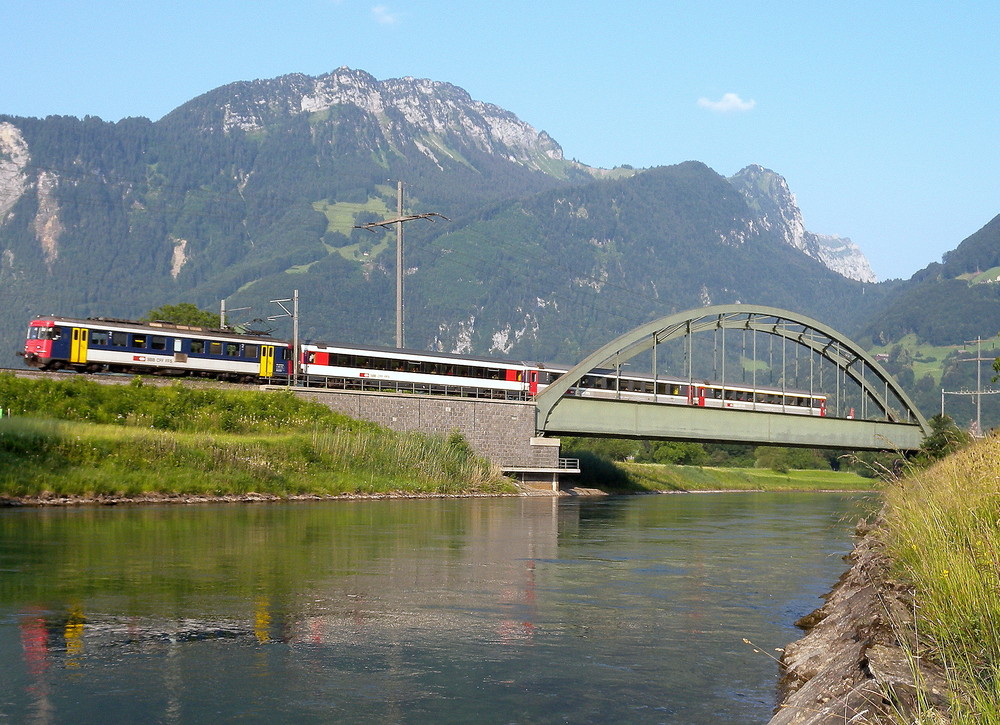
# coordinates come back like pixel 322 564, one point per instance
pixel 560 273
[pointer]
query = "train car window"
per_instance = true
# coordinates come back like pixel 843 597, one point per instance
pixel 232 349
pixel 250 351
pixel 197 347
pixel 99 337
pixel 286 353
pixel 215 348
pixel 139 341
pixel 32 333
pixel 158 342
pixel 493 374
pixel 119 339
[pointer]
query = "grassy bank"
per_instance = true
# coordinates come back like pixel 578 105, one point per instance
pixel 82 439
pixel 666 477
pixel 942 530
pixel 630 477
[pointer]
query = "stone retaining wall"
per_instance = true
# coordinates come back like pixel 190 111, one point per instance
pixel 502 431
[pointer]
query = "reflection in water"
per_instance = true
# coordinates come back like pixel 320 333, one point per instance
pixel 499 610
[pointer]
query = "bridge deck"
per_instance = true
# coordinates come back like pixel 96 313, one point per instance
pixel 583 416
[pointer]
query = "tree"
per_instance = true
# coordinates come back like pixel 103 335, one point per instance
pixel 183 314
pixel 945 439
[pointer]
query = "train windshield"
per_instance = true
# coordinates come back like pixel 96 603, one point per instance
pixel 44 333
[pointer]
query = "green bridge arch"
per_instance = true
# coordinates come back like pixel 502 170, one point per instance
pixel 889 419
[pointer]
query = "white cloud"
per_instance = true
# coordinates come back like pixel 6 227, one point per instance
pixel 384 15
pixel 729 103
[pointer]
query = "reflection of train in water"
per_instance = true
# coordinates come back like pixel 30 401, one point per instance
pixel 160 348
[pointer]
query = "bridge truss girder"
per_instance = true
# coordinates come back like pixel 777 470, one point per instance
pixel 849 359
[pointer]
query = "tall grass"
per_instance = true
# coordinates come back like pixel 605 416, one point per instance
pixel 942 530
pixel 80 438
pixel 172 407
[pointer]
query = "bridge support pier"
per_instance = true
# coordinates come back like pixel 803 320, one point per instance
pixel 502 431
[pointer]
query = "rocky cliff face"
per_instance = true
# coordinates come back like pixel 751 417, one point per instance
pixel 768 195
pixel 429 112
pixel 14 157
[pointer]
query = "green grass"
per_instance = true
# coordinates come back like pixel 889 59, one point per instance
pixel 51 458
pixel 990 276
pixel 76 437
pixel 942 530
pixel 341 217
pixel 666 477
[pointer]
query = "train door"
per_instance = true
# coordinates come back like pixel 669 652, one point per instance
pixel 266 361
pixel 78 345
pixel 533 382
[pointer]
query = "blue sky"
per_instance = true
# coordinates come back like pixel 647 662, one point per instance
pixel 884 117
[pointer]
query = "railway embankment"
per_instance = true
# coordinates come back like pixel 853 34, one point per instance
pixel 79 440
pixel 912 632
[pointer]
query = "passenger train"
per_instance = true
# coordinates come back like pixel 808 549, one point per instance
pixel 161 348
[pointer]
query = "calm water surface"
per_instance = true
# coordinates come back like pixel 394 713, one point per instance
pixel 627 609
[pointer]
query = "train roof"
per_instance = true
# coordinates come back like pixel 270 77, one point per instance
pixel 413 353
pixel 156 325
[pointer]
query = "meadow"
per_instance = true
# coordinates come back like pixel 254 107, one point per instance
pixel 78 438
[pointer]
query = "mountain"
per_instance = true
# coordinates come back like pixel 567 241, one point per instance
pixel 776 209
pixel 555 275
pixel 256 188
pixel 948 302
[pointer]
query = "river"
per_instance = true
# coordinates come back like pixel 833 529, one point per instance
pixel 626 609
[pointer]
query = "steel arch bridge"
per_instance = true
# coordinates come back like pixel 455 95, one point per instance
pixel 866 409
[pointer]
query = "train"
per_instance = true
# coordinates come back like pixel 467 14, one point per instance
pixel 101 344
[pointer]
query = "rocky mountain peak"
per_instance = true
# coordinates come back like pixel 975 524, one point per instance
pixel 777 210
pixel 433 114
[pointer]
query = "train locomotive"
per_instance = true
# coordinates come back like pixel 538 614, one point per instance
pixel 160 348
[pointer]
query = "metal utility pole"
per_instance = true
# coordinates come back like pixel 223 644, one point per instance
pixel 399 265
pixel 978 359
pixel 294 314
pixel 398 221
pixel 223 312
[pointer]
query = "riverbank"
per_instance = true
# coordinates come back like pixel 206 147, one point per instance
pixel 77 440
pixel 912 631
pixel 661 478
